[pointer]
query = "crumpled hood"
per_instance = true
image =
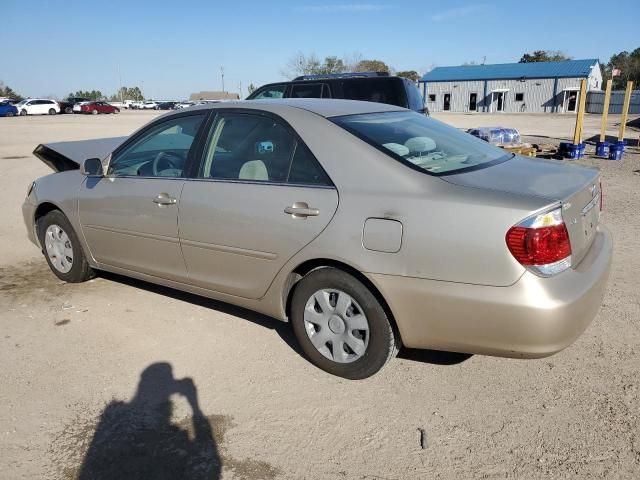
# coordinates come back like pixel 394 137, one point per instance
pixel 62 156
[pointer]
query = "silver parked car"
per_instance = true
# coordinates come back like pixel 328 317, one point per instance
pixel 365 225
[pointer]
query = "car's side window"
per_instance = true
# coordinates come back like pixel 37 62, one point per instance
pixel 274 91
pixel 305 169
pixel 161 151
pixel 248 147
pixel 310 90
pixel 258 148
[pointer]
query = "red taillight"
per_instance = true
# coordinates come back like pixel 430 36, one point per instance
pixel 539 246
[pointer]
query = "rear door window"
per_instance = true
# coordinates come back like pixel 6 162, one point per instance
pixel 257 148
pixel 273 91
pixel 381 90
pixel 310 90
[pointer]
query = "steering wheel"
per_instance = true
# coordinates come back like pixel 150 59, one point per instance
pixel 172 160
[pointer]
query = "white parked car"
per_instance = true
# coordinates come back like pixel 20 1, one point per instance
pixel 184 105
pixel 148 105
pixel 38 106
pixel 77 107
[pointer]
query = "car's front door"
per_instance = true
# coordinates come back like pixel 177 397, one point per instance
pixel 130 216
pixel 259 197
pixel 40 107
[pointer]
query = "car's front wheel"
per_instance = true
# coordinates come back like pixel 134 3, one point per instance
pixel 68 110
pixel 62 248
pixel 340 325
pixel 23 113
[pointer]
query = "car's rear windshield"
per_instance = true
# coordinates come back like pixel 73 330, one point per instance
pixel 421 142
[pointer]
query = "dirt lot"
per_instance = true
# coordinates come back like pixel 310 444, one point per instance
pixel 80 362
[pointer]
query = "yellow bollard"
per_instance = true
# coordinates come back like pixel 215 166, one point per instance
pixel 625 110
pixel 605 111
pixel 577 136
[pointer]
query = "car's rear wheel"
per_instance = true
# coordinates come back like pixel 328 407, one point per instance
pixel 62 248
pixel 52 111
pixel 340 325
pixel 94 112
pixel 68 110
pixel 23 113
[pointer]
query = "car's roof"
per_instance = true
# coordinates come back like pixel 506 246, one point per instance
pixel 323 107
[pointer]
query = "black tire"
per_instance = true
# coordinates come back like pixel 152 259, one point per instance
pixel 383 343
pixel 52 111
pixel 94 112
pixel 68 110
pixel 23 113
pixel 80 270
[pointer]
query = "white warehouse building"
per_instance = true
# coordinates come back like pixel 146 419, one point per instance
pixel 541 87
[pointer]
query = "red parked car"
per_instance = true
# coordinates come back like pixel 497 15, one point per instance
pixel 98 107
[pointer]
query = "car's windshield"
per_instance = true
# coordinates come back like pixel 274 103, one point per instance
pixel 22 102
pixel 421 142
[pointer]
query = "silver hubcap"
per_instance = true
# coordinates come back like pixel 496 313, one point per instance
pixel 58 247
pixel 336 325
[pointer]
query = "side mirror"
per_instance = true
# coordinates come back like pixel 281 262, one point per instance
pixel 92 167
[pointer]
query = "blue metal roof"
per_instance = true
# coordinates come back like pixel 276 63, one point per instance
pixel 502 71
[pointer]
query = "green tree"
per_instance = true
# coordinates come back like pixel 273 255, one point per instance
pixel 544 56
pixel 629 66
pixel 301 64
pixel 410 74
pixel 332 65
pixel 372 66
pixel 251 88
pixel 7 91
pixel 91 95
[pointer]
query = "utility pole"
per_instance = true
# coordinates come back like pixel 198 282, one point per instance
pixel 222 75
pixel 120 80
pixel 240 88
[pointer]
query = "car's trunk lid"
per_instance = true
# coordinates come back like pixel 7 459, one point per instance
pixel 576 187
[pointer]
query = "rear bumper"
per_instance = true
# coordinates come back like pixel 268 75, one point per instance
pixel 535 317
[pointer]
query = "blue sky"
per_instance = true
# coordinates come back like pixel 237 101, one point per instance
pixel 177 47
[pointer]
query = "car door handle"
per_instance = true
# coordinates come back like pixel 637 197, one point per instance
pixel 301 210
pixel 165 199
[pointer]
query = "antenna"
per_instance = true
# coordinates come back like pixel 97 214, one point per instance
pixel 484 59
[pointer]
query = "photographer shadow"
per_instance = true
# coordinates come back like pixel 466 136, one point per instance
pixel 136 439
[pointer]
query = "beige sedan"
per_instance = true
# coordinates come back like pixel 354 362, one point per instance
pixel 367 226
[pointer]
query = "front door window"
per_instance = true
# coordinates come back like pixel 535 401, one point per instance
pixel 161 152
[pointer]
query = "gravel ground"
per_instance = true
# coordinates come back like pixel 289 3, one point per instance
pixel 99 373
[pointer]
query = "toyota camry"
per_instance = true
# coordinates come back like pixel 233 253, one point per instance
pixel 366 226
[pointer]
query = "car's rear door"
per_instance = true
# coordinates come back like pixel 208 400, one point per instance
pixel 41 106
pixel 130 216
pixel 258 198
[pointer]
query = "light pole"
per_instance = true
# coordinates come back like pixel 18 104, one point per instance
pixel 120 80
pixel 222 75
